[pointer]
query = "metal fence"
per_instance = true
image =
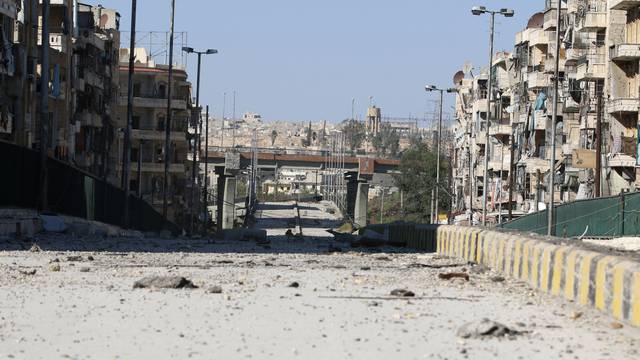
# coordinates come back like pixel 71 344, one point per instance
pixel 603 217
pixel 71 191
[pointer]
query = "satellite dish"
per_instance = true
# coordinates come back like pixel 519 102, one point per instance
pixel 467 67
pixel 458 77
pixel 536 21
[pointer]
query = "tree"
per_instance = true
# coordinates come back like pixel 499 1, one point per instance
pixel 308 140
pixel 386 141
pixel 274 136
pixel 417 178
pixel 355 132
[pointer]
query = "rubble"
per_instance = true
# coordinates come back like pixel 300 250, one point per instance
pixel 485 328
pixel 164 282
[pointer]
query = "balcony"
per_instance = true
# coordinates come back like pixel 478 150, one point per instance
pixel 591 69
pixel 623 105
pixel 153 135
pixel 623 4
pixel 624 52
pixel 621 160
pixel 500 130
pixel 573 55
pixel 592 21
pixel 550 19
pixel 540 119
pixel 540 37
pixel 537 80
pixel 154 102
pixel 589 122
pixel 480 106
pixel 158 167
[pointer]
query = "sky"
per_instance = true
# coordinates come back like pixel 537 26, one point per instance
pixel 300 60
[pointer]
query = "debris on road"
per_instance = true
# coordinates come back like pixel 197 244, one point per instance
pixel 616 325
pixel 402 293
pixel 485 328
pixel 497 278
pixel 294 284
pixel 214 290
pixel 54 267
pixel 454 275
pixel 164 282
pixel 74 258
pixel 29 272
pixel 35 248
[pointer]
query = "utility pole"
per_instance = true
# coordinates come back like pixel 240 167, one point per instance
pixel 224 105
pixel 44 108
pixel 382 206
pixel 598 171
pixel 194 172
pixel 234 120
pixel 512 174
pixel 167 125
pixel 485 180
pixel 552 161
pixel 139 190
pixel 437 210
pixel 479 10
pixel 126 161
pixel 205 195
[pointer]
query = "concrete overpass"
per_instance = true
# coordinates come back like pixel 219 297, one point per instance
pixel 359 172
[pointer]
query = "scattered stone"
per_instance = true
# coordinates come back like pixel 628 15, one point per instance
pixel 74 258
pixel 214 290
pixel 616 325
pixel 90 258
pixel 35 248
pixel 576 315
pixel 294 284
pixel 164 282
pixel 402 293
pixel 56 260
pixel 497 278
pixel 453 275
pixel 485 328
pixel 365 268
pixel 84 269
pixel 29 272
pixel 54 267
pixel 383 258
pixel 478 269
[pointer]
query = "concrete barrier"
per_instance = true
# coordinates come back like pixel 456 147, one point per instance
pixel 610 283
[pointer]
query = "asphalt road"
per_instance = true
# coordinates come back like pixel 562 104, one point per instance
pixel 342 308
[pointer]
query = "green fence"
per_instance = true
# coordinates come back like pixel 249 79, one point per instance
pixel 603 217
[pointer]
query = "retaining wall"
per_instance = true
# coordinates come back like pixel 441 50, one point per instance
pixel 604 280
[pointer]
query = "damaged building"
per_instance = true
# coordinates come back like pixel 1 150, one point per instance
pixel 597 113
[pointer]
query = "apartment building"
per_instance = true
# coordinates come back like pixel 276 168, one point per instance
pixel 598 105
pixel 82 88
pixel 150 90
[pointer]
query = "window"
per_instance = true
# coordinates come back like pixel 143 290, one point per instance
pixel 135 122
pixel 136 90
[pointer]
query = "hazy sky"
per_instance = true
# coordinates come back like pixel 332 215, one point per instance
pixel 305 60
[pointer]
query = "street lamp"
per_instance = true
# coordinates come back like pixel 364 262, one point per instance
pixel 197 141
pixel 435 192
pixel 477 11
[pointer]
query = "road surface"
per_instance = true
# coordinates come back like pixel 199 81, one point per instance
pixel 342 308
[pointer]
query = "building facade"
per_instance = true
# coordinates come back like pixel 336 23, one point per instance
pixel 150 89
pixel 597 113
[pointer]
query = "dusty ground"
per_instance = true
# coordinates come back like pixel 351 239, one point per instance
pixel 624 243
pixel 342 308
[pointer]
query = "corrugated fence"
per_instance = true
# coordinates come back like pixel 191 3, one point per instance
pixel 70 191
pixel 603 217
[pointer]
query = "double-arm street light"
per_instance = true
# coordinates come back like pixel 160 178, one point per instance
pixel 435 192
pixel 196 141
pixel 480 10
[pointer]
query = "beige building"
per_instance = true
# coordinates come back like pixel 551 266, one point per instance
pixel 599 74
pixel 150 89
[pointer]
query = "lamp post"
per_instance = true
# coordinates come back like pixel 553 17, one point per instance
pixel 196 142
pixel 126 161
pixel 552 161
pixel 430 88
pixel 477 11
pixel 167 125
